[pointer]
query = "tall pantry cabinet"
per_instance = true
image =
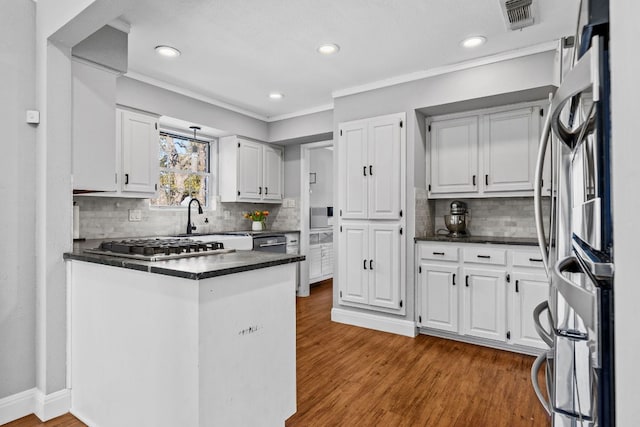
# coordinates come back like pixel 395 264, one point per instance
pixel 371 233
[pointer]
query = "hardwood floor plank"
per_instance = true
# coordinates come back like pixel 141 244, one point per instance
pixel 350 376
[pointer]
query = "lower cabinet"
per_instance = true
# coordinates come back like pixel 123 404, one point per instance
pixel 484 292
pixel 369 269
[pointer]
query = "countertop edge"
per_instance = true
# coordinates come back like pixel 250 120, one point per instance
pixel 490 240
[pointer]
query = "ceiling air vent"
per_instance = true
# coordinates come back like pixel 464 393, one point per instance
pixel 518 13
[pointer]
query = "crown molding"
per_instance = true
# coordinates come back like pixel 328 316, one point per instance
pixel 418 75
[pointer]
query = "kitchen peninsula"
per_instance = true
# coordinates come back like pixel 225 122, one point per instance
pixel 200 341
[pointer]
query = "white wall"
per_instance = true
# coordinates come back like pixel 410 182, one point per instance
pixel 321 163
pixel 301 127
pixel 625 89
pixel 17 216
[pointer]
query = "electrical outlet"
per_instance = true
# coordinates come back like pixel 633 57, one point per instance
pixel 135 215
pixel 227 214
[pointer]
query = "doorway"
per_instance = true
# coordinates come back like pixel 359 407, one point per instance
pixel 316 213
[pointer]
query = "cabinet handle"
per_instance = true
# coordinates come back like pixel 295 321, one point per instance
pixel 517 286
pixel 466 281
pixel 438 253
pixel 535 259
pixel 259 190
pixel 364 264
pixel 370 170
pixel 126 178
pixel 486 180
pixel 370 264
pixel 474 180
pixel 454 279
pixel 266 190
pixel 484 256
pixel 364 171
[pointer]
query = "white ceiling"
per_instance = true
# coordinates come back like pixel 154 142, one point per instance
pixel 237 51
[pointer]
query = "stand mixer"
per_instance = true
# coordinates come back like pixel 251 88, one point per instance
pixel 456 220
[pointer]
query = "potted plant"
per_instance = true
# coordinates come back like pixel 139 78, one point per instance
pixel 259 218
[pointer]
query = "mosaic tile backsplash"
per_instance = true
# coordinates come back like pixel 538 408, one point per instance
pixel 504 217
pixel 107 217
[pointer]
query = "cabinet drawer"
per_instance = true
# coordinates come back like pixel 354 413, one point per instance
pixel 485 256
pixel 440 253
pixel 527 259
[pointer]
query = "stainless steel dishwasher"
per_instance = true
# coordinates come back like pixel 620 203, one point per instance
pixel 270 243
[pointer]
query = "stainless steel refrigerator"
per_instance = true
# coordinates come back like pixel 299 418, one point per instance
pixel 578 248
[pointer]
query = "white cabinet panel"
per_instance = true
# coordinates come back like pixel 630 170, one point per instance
pixel 354 277
pixel 510 149
pixel 272 174
pixel 438 297
pixel 454 155
pixel 384 168
pixel 528 291
pixel 353 170
pixel 249 171
pixel 140 136
pixel 485 303
pixel 384 264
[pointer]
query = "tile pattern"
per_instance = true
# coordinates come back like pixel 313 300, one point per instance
pixel 425 209
pixel 108 217
pixel 505 217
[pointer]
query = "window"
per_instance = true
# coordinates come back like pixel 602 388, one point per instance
pixel 185 171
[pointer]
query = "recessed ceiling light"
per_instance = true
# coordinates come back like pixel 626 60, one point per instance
pixel 276 95
pixel 473 41
pixel 168 51
pixel 328 48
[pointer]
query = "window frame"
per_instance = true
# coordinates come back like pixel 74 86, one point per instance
pixel 212 175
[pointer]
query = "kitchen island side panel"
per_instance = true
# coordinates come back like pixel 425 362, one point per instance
pixel 134 347
pixel 247 327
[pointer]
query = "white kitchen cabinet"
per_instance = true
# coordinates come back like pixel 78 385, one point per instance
pixel 370 167
pixel 527 292
pixel 485 153
pixel 454 155
pixel 510 149
pixel 481 293
pixel 438 296
pixel 370 265
pixel 320 255
pixel 250 171
pixel 93 132
pixel 139 136
pixel 485 303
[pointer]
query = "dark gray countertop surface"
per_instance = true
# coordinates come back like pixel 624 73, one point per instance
pixel 242 232
pixel 196 268
pixel 496 240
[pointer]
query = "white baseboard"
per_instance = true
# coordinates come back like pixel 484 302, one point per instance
pixel 376 322
pixel 33 401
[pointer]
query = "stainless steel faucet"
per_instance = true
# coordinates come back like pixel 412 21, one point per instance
pixel 190 226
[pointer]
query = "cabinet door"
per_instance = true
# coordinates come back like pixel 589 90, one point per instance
pixel 384 265
pixel 438 297
pixel 510 149
pixel 315 262
pixel 140 139
pixel 93 131
pixel 272 175
pixel 527 291
pixel 249 170
pixel 327 259
pixel 353 170
pixel 454 155
pixel 353 266
pixel 384 168
pixel 485 303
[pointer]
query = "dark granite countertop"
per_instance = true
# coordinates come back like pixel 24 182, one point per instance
pixel 241 232
pixel 496 240
pixel 195 268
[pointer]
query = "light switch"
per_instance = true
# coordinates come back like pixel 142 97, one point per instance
pixel 135 215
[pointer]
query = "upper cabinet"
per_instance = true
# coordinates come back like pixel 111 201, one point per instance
pixel 250 171
pixel 93 132
pixel 486 153
pixel 138 136
pixel 370 168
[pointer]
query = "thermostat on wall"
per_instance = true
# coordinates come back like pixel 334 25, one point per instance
pixel 33 116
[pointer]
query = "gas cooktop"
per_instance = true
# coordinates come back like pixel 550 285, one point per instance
pixel 159 249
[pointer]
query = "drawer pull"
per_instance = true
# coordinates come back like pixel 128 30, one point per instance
pixel 535 259
pixel 484 256
pixel 438 253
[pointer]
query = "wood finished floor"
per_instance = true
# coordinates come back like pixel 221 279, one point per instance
pixel 349 376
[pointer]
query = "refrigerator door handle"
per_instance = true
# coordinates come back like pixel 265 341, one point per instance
pixel 544 334
pixel 537 365
pixel 579 298
pixel 537 193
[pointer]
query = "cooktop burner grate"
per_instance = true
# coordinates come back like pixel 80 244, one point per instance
pixel 158 249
